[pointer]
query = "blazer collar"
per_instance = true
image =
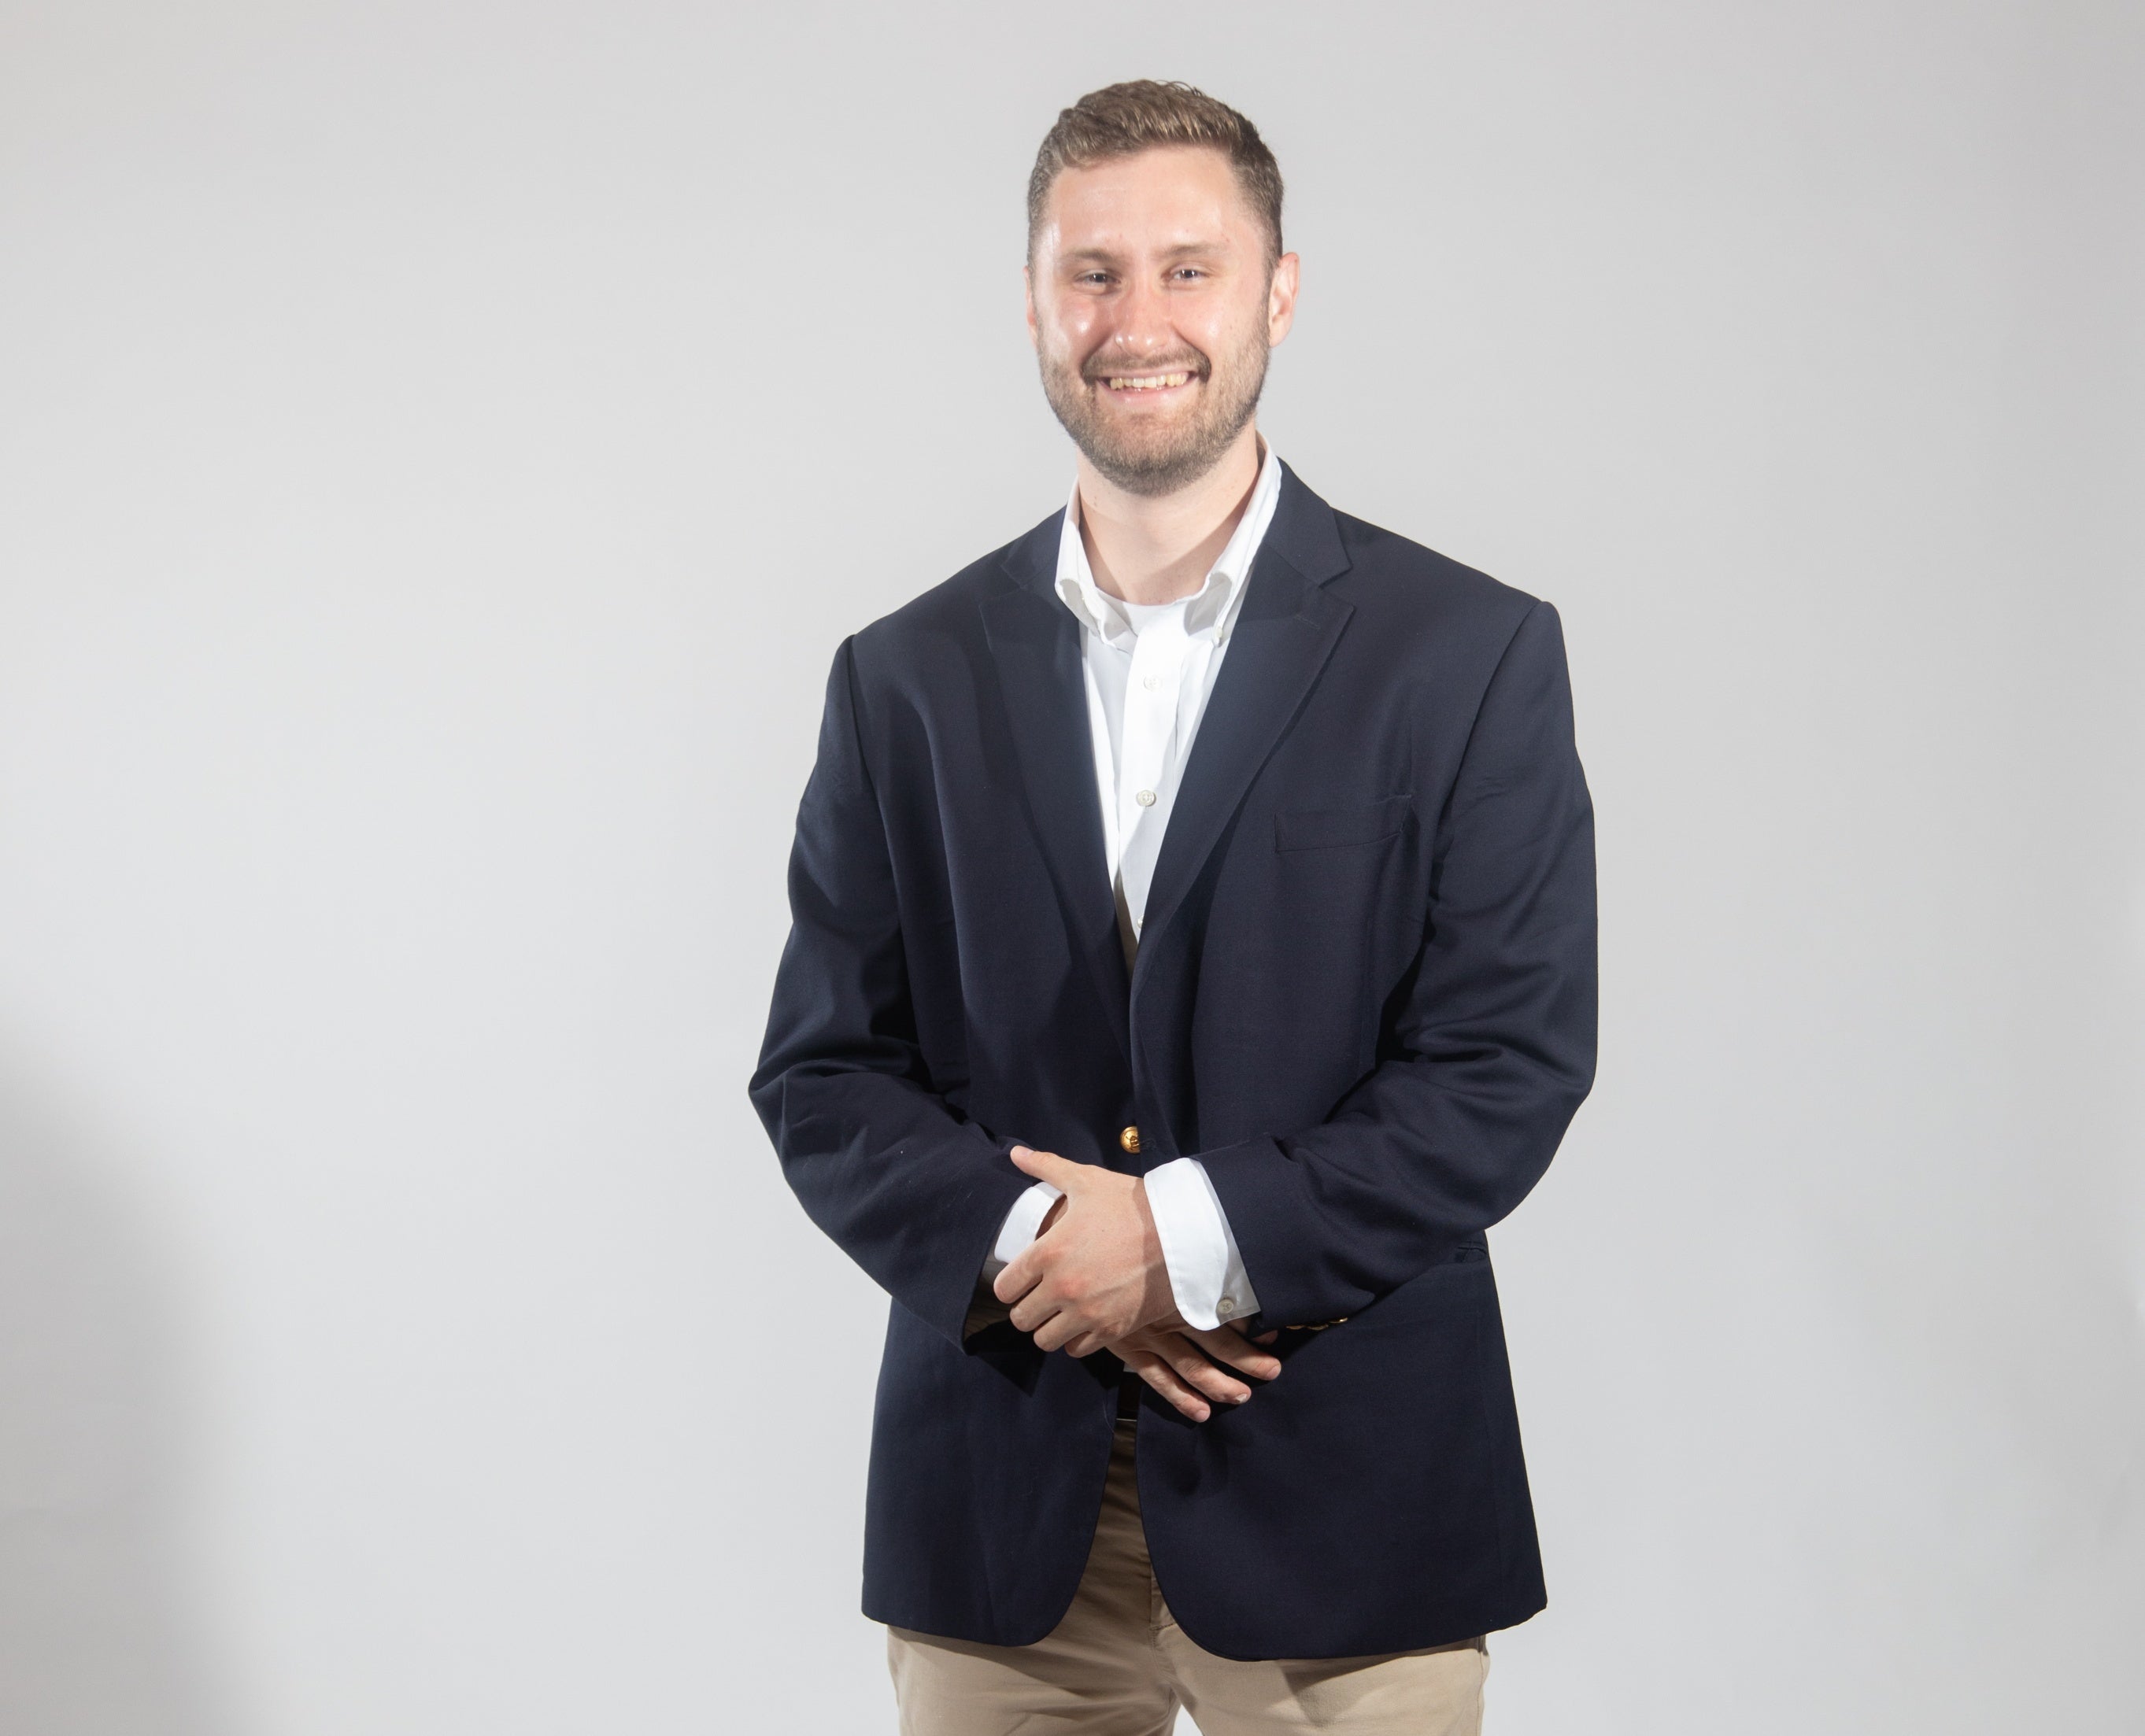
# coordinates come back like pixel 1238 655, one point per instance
pixel 1288 628
pixel 1035 645
pixel 1282 637
pixel 1304 533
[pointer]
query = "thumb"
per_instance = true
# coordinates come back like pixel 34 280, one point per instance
pixel 1046 1166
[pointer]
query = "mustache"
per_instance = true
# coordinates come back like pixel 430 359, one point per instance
pixel 1118 367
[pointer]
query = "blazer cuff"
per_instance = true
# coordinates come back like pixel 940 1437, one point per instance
pixel 1262 1191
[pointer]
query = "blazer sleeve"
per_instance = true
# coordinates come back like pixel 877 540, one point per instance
pixel 913 1191
pixel 1484 1054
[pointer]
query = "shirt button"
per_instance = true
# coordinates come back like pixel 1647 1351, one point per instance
pixel 1152 682
pixel 1225 1308
pixel 1145 799
pixel 1129 1140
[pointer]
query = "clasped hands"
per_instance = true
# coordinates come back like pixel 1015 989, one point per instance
pixel 1094 1279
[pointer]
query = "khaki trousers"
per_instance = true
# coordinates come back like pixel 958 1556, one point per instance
pixel 1119 1665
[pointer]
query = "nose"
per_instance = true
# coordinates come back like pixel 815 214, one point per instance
pixel 1143 326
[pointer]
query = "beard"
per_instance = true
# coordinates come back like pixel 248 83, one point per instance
pixel 1143 457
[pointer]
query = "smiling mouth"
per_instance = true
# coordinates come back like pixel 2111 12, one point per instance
pixel 1146 382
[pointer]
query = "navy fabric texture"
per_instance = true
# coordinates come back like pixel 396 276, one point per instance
pixel 1364 998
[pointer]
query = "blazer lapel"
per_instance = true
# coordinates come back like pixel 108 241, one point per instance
pixel 1035 642
pixel 1284 634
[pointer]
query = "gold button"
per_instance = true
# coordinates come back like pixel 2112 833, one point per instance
pixel 1129 1139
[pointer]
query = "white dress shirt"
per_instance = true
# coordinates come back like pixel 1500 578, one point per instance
pixel 1150 668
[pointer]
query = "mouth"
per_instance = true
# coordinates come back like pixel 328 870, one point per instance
pixel 1148 382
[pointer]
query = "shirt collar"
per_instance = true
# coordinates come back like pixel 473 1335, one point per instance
pixel 1212 608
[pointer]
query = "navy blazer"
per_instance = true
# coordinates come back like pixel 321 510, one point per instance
pixel 1364 999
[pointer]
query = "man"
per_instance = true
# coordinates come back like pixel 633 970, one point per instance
pixel 1192 955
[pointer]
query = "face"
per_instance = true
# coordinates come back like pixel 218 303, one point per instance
pixel 1152 309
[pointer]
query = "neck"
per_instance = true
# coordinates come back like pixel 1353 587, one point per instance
pixel 1156 548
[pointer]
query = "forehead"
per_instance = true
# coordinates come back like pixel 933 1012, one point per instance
pixel 1172 196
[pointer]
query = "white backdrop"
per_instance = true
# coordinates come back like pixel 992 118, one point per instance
pixel 442 444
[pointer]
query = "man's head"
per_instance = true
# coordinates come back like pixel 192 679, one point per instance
pixel 1157 282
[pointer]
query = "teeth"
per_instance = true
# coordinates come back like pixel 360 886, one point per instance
pixel 1146 382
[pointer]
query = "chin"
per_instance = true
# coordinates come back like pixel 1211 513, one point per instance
pixel 1154 473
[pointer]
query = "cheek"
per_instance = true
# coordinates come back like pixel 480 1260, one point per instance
pixel 1221 328
pixel 1068 339
pixel 1077 327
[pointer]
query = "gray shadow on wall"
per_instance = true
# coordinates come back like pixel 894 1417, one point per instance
pixel 95 1637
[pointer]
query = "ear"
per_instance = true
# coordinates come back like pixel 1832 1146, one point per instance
pixel 1281 298
pixel 1028 304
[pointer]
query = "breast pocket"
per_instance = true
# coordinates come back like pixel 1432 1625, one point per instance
pixel 1330 828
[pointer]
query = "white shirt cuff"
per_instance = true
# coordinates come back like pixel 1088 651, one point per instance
pixel 1205 1272
pixel 1020 1228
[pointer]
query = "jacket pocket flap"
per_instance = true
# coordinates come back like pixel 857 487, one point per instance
pixel 1325 829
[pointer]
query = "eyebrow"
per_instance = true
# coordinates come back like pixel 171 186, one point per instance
pixel 1182 250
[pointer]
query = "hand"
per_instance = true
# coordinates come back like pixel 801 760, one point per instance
pixel 1095 1273
pixel 1180 1362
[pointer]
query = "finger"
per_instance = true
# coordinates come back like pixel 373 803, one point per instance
pixel 1045 1165
pixel 1060 1330
pixel 1156 1374
pixel 1194 1371
pixel 1019 1278
pixel 1033 1309
pixel 1224 1345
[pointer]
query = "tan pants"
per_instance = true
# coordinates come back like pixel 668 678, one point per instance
pixel 1119 1665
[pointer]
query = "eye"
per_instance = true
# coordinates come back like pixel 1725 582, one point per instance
pixel 1185 273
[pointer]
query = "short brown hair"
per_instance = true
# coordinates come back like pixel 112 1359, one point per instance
pixel 1122 120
